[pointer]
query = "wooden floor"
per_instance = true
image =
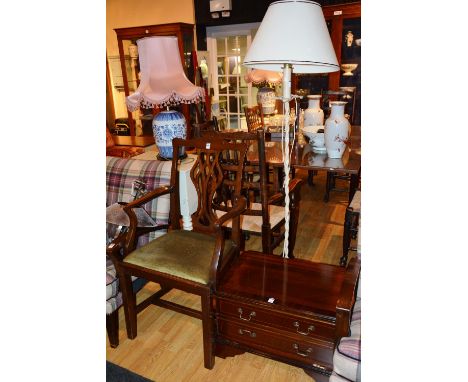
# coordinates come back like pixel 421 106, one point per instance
pixel 169 345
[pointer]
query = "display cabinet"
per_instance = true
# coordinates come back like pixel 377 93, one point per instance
pixel 141 120
pixel 344 24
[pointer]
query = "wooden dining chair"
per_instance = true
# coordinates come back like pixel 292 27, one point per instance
pixel 254 118
pixel 190 261
pixel 210 125
pixel 265 213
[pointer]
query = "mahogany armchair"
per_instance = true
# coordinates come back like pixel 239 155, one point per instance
pixel 121 177
pixel 190 261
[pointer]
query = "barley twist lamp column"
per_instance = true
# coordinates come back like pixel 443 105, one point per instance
pixel 293 36
pixel 163 84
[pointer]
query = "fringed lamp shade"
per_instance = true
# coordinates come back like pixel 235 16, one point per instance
pixel 266 95
pixel 163 80
pixel 262 77
pixel 163 83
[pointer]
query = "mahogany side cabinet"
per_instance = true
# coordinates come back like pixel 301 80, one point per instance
pixel 290 310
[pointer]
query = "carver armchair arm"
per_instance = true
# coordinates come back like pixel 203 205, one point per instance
pixel 130 242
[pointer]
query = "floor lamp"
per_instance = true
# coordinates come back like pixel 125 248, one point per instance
pixel 293 36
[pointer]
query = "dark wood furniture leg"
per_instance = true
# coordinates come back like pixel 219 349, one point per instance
pixel 353 185
pixel 112 326
pixel 130 307
pixel 346 237
pixel 208 330
pixel 328 186
pixel 310 177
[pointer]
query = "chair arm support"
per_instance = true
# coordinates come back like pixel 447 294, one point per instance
pixel 235 211
pixel 114 247
pixel 156 193
pixel 130 237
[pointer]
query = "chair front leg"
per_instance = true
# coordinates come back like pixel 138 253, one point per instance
pixel 129 303
pixel 208 330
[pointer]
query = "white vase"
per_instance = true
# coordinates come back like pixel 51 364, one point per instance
pixel 266 98
pixel 313 115
pixel 337 130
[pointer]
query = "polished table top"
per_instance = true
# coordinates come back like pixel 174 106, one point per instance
pixel 304 157
pixel 123 140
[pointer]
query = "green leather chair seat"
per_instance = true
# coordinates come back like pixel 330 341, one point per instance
pixel 184 254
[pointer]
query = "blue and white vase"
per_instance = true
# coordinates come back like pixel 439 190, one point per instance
pixel 166 126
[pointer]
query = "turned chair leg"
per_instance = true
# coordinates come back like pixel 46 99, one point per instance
pixel 208 333
pixel 112 326
pixel 129 304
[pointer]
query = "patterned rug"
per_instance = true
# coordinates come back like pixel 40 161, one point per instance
pixel 115 373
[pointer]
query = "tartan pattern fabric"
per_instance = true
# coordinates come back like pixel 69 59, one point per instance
pixel 113 294
pixel 112 281
pixel 120 175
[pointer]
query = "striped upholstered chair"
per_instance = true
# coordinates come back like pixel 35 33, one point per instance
pixel 347 355
pixel 121 174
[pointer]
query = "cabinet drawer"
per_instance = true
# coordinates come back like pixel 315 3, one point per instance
pixel 275 342
pixel 242 312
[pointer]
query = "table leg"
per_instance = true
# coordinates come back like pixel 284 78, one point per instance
pixel 353 185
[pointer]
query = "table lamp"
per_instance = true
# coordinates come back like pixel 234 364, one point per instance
pixel 293 36
pixel 163 83
pixel 265 80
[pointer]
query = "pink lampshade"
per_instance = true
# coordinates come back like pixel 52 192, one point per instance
pixel 260 76
pixel 163 80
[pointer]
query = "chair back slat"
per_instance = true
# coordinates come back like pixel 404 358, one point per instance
pixel 208 177
pixel 254 118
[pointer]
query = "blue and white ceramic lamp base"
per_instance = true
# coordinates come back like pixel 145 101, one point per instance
pixel 166 126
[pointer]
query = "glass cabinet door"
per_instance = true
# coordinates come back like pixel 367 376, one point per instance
pixel 350 78
pixel 344 24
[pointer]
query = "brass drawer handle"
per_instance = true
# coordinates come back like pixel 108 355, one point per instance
pixel 306 354
pixel 252 314
pixel 251 334
pixel 311 328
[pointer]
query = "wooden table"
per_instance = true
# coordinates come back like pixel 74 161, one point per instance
pixel 303 157
pixel 291 310
pixel 122 140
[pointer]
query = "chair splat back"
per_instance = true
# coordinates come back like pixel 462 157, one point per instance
pixel 208 176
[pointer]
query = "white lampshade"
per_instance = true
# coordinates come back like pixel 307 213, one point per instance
pixel 293 32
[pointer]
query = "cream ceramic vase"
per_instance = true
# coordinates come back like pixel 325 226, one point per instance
pixel 337 130
pixel 266 98
pixel 313 115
